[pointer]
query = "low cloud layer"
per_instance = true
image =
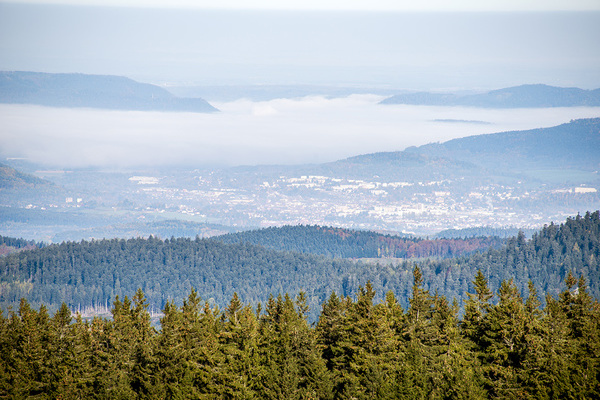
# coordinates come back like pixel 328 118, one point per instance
pixel 283 131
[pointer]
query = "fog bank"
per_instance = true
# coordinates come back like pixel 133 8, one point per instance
pixel 282 131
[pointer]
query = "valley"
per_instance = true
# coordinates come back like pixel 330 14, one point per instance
pixel 420 208
pixel 523 179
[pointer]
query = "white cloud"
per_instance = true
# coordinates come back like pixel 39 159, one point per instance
pixel 312 129
pixel 263 110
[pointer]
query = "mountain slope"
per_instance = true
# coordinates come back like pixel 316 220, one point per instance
pixel 482 157
pixel 12 179
pixel 571 145
pixel 89 273
pixel 524 96
pixel 93 91
pixel 397 165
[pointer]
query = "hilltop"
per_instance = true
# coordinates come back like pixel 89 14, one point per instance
pixel 92 91
pixel 348 243
pixel 524 96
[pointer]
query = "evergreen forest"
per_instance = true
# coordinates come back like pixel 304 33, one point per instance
pixel 505 346
pixel 90 274
pixel 347 243
pixel 11 245
pixel 518 322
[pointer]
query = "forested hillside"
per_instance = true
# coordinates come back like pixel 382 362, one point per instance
pixel 11 179
pixel 84 274
pixel 11 245
pixel 505 347
pixel 347 243
pixel 545 259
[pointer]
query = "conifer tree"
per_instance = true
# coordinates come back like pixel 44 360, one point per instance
pixel 238 338
pixel 114 341
pixel 418 335
pixel 62 355
pixel 5 350
pixel 292 366
pixel 373 331
pixel 456 372
pixel 143 376
pixel 574 319
pixel 476 308
pixel 171 355
pixel 83 351
pixel 202 329
pixel 333 342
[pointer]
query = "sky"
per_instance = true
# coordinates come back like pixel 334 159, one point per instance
pixel 361 5
pixel 302 44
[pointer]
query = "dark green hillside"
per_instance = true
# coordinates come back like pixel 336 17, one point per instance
pixel 505 346
pixel 94 91
pixel 93 273
pixel 11 245
pixel 546 259
pixel 347 243
pixel 16 243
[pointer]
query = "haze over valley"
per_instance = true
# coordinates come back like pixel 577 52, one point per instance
pixel 195 119
pixel 519 179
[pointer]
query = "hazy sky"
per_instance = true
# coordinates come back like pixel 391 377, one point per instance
pixel 232 45
pixel 364 5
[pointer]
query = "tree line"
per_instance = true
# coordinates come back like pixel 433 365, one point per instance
pixel 11 245
pixel 347 243
pixel 93 273
pixel 505 345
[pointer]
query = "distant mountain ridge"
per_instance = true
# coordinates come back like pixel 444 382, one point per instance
pixel 573 145
pixel 92 91
pixel 524 96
